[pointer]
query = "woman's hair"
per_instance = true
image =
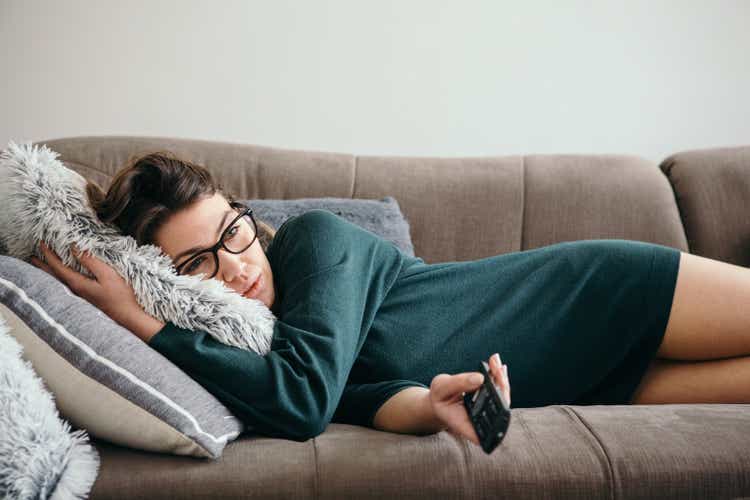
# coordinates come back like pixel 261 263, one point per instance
pixel 150 188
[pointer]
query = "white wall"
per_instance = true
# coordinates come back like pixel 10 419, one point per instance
pixel 398 77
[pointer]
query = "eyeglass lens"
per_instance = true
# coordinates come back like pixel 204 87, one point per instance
pixel 237 238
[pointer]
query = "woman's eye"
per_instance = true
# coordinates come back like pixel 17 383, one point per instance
pixel 194 264
pixel 230 233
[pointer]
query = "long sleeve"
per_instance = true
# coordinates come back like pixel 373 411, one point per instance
pixel 330 276
pixel 360 402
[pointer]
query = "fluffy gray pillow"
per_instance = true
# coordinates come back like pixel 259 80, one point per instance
pixel 39 455
pixel 43 200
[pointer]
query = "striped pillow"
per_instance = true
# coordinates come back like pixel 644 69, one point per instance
pixel 105 379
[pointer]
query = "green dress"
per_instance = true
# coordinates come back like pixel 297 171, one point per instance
pixel 358 320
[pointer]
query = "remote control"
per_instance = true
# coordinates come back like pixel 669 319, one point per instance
pixel 488 411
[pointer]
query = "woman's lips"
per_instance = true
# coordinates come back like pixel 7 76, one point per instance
pixel 255 290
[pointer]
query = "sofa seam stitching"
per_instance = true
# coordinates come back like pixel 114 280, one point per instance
pixel 354 177
pixel 317 479
pixel 610 469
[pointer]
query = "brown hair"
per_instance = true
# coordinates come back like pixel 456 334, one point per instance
pixel 150 188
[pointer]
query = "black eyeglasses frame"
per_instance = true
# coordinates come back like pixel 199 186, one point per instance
pixel 220 244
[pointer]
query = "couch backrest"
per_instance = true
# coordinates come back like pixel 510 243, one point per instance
pixel 712 188
pixel 458 208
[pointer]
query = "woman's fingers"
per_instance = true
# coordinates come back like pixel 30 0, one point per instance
pixel 53 262
pixel 74 280
pixel 96 266
pixel 447 388
pixel 500 375
pixel 507 380
pixel 496 369
pixel 42 265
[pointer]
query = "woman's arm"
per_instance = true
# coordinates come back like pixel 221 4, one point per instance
pixel 409 412
pixel 108 291
pixel 145 326
pixel 418 410
pixel 390 405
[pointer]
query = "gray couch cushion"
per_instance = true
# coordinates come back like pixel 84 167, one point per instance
pixel 560 451
pixel 105 379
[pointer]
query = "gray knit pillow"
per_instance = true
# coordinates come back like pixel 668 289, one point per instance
pixel 43 200
pixel 382 217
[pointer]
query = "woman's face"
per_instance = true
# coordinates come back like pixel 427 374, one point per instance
pixel 198 227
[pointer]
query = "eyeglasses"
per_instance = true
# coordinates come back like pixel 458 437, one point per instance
pixel 236 238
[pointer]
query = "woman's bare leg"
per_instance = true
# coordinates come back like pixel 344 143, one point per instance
pixel 715 381
pixel 705 354
pixel 710 316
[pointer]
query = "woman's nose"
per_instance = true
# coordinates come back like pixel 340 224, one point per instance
pixel 230 265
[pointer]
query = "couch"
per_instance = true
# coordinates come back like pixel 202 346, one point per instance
pixel 468 208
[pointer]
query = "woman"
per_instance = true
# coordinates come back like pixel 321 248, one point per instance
pixel 363 329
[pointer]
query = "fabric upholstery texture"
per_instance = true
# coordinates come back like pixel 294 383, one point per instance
pixel 469 208
pixel 560 451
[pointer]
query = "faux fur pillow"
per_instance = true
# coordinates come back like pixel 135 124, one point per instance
pixel 40 457
pixel 43 200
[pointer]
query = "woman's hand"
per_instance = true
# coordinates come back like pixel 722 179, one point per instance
pixel 108 291
pixel 446 395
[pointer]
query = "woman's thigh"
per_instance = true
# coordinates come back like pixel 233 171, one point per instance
pixel 710 315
